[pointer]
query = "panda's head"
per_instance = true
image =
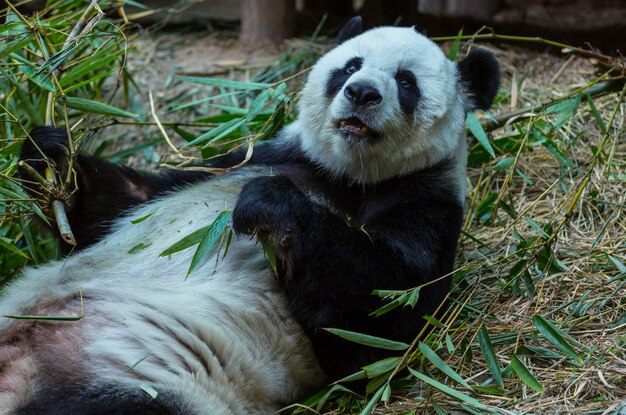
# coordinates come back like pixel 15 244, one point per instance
pixel 388 102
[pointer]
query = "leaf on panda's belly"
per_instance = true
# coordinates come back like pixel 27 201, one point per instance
pixel 139 247
pixel 217 230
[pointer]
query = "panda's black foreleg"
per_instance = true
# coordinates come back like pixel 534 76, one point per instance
pixel 100 190
pixel 331 267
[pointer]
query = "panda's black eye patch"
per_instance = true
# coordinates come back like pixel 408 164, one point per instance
pixel 339 76
pixel 408 92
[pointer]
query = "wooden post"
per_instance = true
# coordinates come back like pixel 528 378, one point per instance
pixel 267 20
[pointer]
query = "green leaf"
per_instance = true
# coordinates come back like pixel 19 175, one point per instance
pixel 554 337
pixel 486 347
pixel 477 131
pixel 413 297
pixel 446 389
pixel 386 393
pixel 504 164
pixel 257 105
pixel 141 219
pixel 224 83
pixel 188 241
pixel 94 63
pixel 216 133
pixel 320 399
pixel 402 299
pixel 372 402
pixel 90 80
pixel 596 114
pixel 41 79
pixel 454 49
pixel 352 377
pixel 138 247
pixel 434 358
pixel 524 374
pixel 381 367
pixel 269 251
pixel 95 107
pixel 210 237
pixel 368 340
pixel 7 243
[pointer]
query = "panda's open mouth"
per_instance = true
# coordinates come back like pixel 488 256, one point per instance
pixel 354 128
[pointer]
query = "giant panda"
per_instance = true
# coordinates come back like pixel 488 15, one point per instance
pixel 363 191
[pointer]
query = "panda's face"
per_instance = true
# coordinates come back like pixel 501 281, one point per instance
pixel 381 104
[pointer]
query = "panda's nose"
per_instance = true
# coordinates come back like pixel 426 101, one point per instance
pixel 362 94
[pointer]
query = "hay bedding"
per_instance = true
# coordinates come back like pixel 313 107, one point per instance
pixel 581 292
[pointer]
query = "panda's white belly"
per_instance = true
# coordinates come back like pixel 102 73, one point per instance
pixel 222 337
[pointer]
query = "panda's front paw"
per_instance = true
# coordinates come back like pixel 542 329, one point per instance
pixel 266 204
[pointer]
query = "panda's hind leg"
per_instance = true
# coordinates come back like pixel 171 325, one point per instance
pixel 100 191
pixel 100 399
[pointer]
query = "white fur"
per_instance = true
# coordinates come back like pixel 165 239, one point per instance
pixel 434 132
pixel 141 306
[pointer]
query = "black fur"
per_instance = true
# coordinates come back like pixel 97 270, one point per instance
pixel 480 72
pixel 401 233
pixel 353 28
pixel 338 77
pixel 100 400
pixel 408 92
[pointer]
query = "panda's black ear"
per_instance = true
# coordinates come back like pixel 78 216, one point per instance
pixel 353 28
pixel 480 74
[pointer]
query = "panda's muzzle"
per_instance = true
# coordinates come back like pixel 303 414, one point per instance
pixel 354 128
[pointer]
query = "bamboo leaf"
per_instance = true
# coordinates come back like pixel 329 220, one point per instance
pixel 368 340
pixel 554 337
pixel 188 241
pixel 486 347
pixel 38 78
pixel 446 389
pixel 479 133
pixel 372 402
pixel 210 237
pixel 381 367
pixel 257 105
pixel 95 107
pixel 216 133
pixel 224 83
pixel 525 375
pixel 101 60
pixel 432 356
pixel 454 49
pixel 7 244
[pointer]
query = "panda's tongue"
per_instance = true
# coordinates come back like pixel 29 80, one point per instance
pixel 354 125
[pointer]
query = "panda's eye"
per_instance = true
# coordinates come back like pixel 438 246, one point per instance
pixel 406 79
pixel 405 83
pixel 353 65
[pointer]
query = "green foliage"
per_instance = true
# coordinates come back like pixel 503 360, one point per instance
pixel 53 66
